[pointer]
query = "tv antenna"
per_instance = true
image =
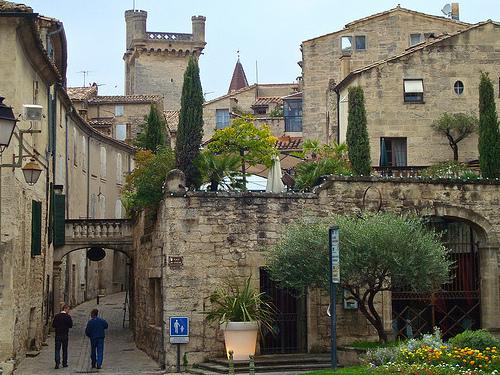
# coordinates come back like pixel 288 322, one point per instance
pixel 446 10
pixel 85 74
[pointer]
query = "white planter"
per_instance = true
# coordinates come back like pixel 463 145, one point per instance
pixel 241 338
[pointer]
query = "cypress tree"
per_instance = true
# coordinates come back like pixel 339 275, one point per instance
pixel 489 137
pixel 357 135
pixel 190 129
pixel 153 134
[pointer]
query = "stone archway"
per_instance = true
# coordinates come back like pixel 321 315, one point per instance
pixel 476 282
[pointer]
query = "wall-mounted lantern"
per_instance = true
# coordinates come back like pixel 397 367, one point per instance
pixel 31 169
pixel 7 124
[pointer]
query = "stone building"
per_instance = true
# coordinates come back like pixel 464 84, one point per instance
pixel 328 59
pixel 118 116
pixel 405 93
pixel 81 175
pixel 155 61
pixel 209 248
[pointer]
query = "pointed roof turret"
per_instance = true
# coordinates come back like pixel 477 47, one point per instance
pixel 239 79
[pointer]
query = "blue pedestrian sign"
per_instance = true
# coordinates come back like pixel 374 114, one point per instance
pixel 179 329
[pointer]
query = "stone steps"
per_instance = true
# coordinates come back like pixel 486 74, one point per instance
pixel 272 364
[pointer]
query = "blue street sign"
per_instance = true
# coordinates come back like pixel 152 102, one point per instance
pixel 179 326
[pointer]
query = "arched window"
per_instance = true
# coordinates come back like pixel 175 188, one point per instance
pixel 118 209
pixel 119 170
pixel 84 153
pixel 102 206
pixel 103 162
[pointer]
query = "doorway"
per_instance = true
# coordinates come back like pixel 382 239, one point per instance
pixel 290 324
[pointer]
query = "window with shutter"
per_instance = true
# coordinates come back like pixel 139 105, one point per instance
pixel 59 217
pixel 36 228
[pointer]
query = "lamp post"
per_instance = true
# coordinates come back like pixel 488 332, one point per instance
pixel 7 124
pixel 31 172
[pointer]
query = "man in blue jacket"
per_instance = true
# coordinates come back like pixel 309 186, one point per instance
pixel 95 332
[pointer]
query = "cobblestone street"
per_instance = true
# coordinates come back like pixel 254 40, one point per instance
pixel 120 353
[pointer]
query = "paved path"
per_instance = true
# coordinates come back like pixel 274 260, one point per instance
pixel 120 353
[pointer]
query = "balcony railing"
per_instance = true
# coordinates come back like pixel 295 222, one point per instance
pixel 169 36
pixel 406 171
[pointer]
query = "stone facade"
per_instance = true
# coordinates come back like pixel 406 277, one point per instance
pixel 215 247
pixel 324 64
pixel 243 101
pixel 32 285
pixel 440 64
pixel 155 61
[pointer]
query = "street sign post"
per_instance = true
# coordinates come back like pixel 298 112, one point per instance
pixel 334 247
pixel 179 334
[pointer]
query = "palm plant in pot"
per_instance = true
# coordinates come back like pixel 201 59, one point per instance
pixel 241 311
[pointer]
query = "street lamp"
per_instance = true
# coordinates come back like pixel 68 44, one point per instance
pixel 7 124
pixel 31 171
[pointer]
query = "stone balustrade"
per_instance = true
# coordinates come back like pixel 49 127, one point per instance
pixel 98 229
pixel 152 35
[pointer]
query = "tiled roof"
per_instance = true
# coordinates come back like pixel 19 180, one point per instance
pixel 296 95
pixel 266 100
pixel 7 6
pixel 82 93
pixel 100 123
pixel 172 118
pixel 410 50
pixel 287 143
pixel 126 99
pixel 239 79
pixel 388 12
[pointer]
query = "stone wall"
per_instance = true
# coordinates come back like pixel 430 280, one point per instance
pixel 215 247
pixel 386 36
pixel 460 58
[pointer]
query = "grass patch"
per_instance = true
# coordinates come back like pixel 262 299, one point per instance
pixel 358 370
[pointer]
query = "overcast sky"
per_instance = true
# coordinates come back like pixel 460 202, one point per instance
pixel 266 31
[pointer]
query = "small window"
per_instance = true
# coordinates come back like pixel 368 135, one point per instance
pixel 413 90
pixel 346 44
pixel 393 152
pixel 221 118
pixel 119 171
pixel 360 42
pixel 118 209
pixel 415 39
pixel 458 87
pixel 102 206
pixel 118 110
pixel 121 132
pixel 260 110
pixel 84 153
pixel 75 148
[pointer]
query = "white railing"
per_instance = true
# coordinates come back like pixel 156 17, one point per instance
pixel 98 229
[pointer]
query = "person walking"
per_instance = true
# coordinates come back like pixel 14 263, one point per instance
pixel 95 332
pixel 62 323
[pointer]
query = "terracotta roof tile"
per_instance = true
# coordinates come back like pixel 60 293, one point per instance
pixel 287 143
pixel 266 100
pixel 82 93
pixel 7 6
pixel 126 99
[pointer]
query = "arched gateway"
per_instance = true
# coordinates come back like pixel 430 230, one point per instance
pixel 111 234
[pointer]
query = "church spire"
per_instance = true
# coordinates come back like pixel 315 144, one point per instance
pixel 239 79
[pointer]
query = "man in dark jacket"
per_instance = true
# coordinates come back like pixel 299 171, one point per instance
pixel 62 323
pixel 95 332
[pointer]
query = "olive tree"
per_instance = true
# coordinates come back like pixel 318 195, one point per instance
pixel 455 127
pixel 378 252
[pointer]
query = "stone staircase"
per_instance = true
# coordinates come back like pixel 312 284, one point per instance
pixel 290 364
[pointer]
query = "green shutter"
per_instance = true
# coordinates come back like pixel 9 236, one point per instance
pixel 50 233
pixel 36 228
pixel 59 210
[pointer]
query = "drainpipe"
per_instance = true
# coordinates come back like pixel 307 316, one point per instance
pixel 163 321
pixel 338 113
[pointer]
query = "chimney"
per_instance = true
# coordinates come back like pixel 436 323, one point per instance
pixel 345 65
pixel 455 12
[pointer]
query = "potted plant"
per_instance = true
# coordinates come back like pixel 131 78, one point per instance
pixel 240 311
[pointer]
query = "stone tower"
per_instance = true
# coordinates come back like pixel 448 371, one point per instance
pixel 155 61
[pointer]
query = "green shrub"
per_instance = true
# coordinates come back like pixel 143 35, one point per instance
pixel 449 169
pixel 382 356
pixel 479 339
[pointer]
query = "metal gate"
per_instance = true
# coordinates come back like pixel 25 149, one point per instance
pixel 290 330
pixel 456 307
